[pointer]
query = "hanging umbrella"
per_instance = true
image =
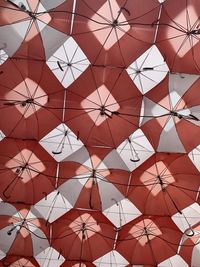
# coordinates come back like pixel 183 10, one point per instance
pixel 93 188
pixel 112 258
pixel 88 235
pixel 61 142
pixel 17 261
pixel 77 264
pixel 22 233
pixel 148 70
pixel 148 240
pixel 27 22
pixel 26 101
pixel 164 179
pixel 49 256
pixel 3 57
pixel 171 108
pixel 68 62
pixel 28 173
pixel 178 35
pixel 135 150
pixel 115 28
pixel 95 100
pixel 189 247
pixel 174 261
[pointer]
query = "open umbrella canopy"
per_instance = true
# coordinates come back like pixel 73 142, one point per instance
pixel 153 237
pixel 27 171
pixel 178 35
pixel 16 261
pixel 164 179
pixel 21 231
pixel 78 233
pixel 99 133
pixel 36 22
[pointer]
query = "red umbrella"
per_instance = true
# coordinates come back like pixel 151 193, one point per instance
pixel 96 100
pixel 27 171
pixel 83 235
pixel 171 108
pixel 122 28
pixel 77 264
pixel 189 248
pixel 165 179
pixel 17 261
pixel 34 23
pixel 178 35
pixel 22 233
pixel 92 179
pixel 26 101
pixel 148 240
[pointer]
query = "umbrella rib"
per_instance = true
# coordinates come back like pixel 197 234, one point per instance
pixel 102 45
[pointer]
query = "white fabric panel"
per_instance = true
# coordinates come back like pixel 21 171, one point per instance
pixel 152 109
pixel 122 212
pixel 181 82
pixel 2 254
pixel 50 4
pixel 51 38
pixel 194 155
pixel 80 156
pixel 192 213
pixel 3 56
pixel 57 141
pixel 175 261
pixel 146 79
pixel 113 161
pixel 20 2
pixel 112 258
pixel 68 53
pixel 143 149
pixel 50 258
pixel 169 133
pixel 12 36
pixel 71 190
pixel 53 206
pixel 5 239
pixel 108 192
pixel 196 112
pixel 39 241
pixel 196 256
pixel 7 209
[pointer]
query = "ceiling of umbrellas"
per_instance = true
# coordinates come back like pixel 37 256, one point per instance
pixel 99 133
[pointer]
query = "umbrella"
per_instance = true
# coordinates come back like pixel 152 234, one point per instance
pixel 3 57
pixel 189 247
pixel 112 258
pixel 26 100
pixel 148 70
pixel 178 35
pixel 135 150
pixel 25 23
pixel 115 29
pixel 21 231
pixel 95 100
pixel 169 109
pixel 77 264
pixel 93 188
pixel 27 171
pixel 61 142
pixel 49 256
pixel 165 179
pixel 68 62
pixel 148 240
pixel 17 261
pixel 83 235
